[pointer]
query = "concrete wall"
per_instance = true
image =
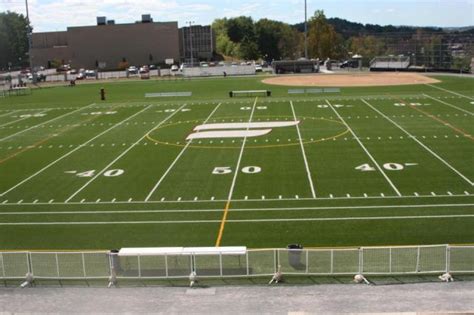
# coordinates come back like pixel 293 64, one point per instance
pixel 86 46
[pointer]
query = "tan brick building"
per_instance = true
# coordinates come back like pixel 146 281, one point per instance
pixel 108 44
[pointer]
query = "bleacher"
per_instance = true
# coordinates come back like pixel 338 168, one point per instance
pixel 388 63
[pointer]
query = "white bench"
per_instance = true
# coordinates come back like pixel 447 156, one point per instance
pixel 250 93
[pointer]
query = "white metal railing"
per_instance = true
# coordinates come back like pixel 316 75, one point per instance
pixel 433 259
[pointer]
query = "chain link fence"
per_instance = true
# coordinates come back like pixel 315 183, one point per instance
pixel 404 260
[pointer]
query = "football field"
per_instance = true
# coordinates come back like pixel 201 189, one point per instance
pixel 364 166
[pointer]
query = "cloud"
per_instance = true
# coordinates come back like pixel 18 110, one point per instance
pixel 47 15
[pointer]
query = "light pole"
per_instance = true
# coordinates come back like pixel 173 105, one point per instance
pixel 191 41
pixel 29 35
pixel 305 31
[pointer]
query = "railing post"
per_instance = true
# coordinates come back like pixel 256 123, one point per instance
pixel 3 265
pixel 361 260
pixel 390 260
pixel 29 262
pixel 307 260
pixel 139 266
pixel 57 264
pixel 418 259
pixel 220 263
pixel 275 259
pixel 247 262
pixel 448 258
pixel 83 265
pixel 166 266
pixel 332 261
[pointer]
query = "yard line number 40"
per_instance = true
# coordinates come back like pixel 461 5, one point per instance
pixel 91 173
pixel 388 166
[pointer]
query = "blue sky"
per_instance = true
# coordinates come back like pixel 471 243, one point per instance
pixel 53 15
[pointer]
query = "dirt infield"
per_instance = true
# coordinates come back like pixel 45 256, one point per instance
pixel 356 79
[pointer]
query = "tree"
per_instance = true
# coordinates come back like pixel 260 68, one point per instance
pixel 13 39
pixel 291 43
pixel 323 41
pixel 367 46
pixel 239 28
pixel 268 36
pixel 277 40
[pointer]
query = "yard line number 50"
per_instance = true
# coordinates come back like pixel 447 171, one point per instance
pixel 221 170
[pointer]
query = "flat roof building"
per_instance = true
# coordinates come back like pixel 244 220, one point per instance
pixel 108 45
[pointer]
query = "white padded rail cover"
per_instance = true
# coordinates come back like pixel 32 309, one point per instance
pixel 176 251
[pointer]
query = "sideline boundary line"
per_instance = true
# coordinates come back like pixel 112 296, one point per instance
pixel 46 122
pixel 122 154
pixel 92 212
pixel 380 218
pixel 420 143
pixel 301 199
pixel 308 173
pixel 177 158
pixel 365 150
pixel 71 152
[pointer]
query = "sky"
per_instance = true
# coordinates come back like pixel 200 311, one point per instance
pixel 54 15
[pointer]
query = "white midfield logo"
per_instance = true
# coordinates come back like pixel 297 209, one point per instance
pixel 237 130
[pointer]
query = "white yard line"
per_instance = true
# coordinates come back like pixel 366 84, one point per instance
pixel 176 159
pixel 450 105
pixel 420 143
pixel 299 200
pixel 379 218
pixel 449 91
pixel 46 122
pixel 15 121
pixel 376 207
pixel 365 150
pixel 9 113
pixel 71 152
pixel 308 173
pixel 237 168
pixel 123 153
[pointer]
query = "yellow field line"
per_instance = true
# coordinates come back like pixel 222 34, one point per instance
pixel 457 129
pixel 42 141
pixel 224 219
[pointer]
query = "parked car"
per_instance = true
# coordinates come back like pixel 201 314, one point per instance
pixel 132 70
pixel 350 64
pixel 63 68
pixel 174 68
pixel 144 69
pixel 258 68
pixel 90 74
pixel 152 67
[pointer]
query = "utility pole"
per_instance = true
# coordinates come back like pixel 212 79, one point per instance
pixel 305 31
pixel 191 40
